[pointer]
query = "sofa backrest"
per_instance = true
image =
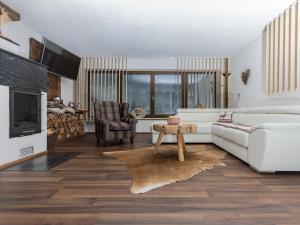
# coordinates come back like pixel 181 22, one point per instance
pixel 273 114
pixel 199 115
pixel 249 116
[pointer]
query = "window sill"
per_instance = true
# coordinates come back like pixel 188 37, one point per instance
pixel 149 118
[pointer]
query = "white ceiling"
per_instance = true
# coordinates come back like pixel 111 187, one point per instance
pixel 149 28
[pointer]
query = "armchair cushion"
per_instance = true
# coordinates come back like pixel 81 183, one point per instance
pixel 116 126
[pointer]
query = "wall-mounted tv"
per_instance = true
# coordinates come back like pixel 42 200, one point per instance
pixel 59 60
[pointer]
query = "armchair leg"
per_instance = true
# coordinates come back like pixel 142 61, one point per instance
pixel 121 141
pixel 132 140
pixel 98 141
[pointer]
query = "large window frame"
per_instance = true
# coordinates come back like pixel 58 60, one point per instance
pixel 184 88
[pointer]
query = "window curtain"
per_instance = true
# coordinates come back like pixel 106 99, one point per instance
pixel 99 79
pixel 282 52
pixel 205 80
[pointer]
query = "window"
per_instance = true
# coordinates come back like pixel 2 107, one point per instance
pixel 161 93
pixel 138 91
pixel 167 93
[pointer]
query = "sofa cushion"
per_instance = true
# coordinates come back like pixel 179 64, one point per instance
pixel 237 136
pixel 243 127
pixel 117 126
pixel 218 130
pixel 204 127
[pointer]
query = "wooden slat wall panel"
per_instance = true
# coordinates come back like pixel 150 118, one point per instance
pixel 104 80
pixel 283 52
pixel 281 55
pixel 206 65
pixel 298 46
pixel 292 48
pixel 275 62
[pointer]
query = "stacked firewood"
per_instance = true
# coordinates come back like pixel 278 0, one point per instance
pixel 66 125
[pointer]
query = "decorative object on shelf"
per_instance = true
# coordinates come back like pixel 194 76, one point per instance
pixel 70 110
pixel 57 99
pixel 245 76
pixel 173 120
pixel 138 113
pixel 225 117
pixel 73 105
pixel 222 115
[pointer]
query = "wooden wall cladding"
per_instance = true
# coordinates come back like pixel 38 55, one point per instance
pixel 54 86
pixel 54 81
pixel 36 50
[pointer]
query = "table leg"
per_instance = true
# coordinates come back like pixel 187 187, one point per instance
pixel 180 147
pixel 183 143
pixel 159 140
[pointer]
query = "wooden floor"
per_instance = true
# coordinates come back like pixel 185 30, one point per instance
pixel 94 189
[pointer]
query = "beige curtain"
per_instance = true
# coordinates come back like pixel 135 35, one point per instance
pixel 99 79
pixel 283 53
pixel 206 65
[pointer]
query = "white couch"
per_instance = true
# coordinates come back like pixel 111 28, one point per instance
pixel 267 138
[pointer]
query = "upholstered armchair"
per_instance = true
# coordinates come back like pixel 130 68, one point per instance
pixel 112 122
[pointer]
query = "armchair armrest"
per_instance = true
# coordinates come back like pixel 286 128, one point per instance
pixel 102 128
pixel 130 120
pixel 102 122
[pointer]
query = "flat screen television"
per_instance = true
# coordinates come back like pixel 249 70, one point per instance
pixel 59 60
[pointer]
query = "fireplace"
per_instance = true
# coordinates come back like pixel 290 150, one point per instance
pixel 25 112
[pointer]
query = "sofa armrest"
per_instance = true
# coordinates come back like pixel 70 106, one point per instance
pixel 277 126
pixel 275 147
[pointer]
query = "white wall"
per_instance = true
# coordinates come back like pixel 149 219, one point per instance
pixel 253 94
pixel 21 33
pixel 9 150
pixel 67 90
pixel 152 63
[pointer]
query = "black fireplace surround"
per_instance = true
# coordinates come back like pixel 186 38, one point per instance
pixel 26 80
pixel 24 112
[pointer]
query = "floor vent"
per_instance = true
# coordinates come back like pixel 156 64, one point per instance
pixel 26 151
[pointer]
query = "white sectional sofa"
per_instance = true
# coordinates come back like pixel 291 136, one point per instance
pixel 267 138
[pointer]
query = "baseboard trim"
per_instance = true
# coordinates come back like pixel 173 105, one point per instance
pixel 13 163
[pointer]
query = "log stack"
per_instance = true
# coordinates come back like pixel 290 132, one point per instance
pixel 66 126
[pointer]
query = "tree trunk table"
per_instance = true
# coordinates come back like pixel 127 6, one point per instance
pixel 179 130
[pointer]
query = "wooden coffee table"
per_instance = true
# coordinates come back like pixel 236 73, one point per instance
pixel 178 130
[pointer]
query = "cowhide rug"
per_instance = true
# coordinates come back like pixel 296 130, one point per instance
pixel 153 167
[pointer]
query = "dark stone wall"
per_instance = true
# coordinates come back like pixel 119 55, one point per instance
pixel 19 72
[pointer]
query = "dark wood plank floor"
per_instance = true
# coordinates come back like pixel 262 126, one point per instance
pixel 94 189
